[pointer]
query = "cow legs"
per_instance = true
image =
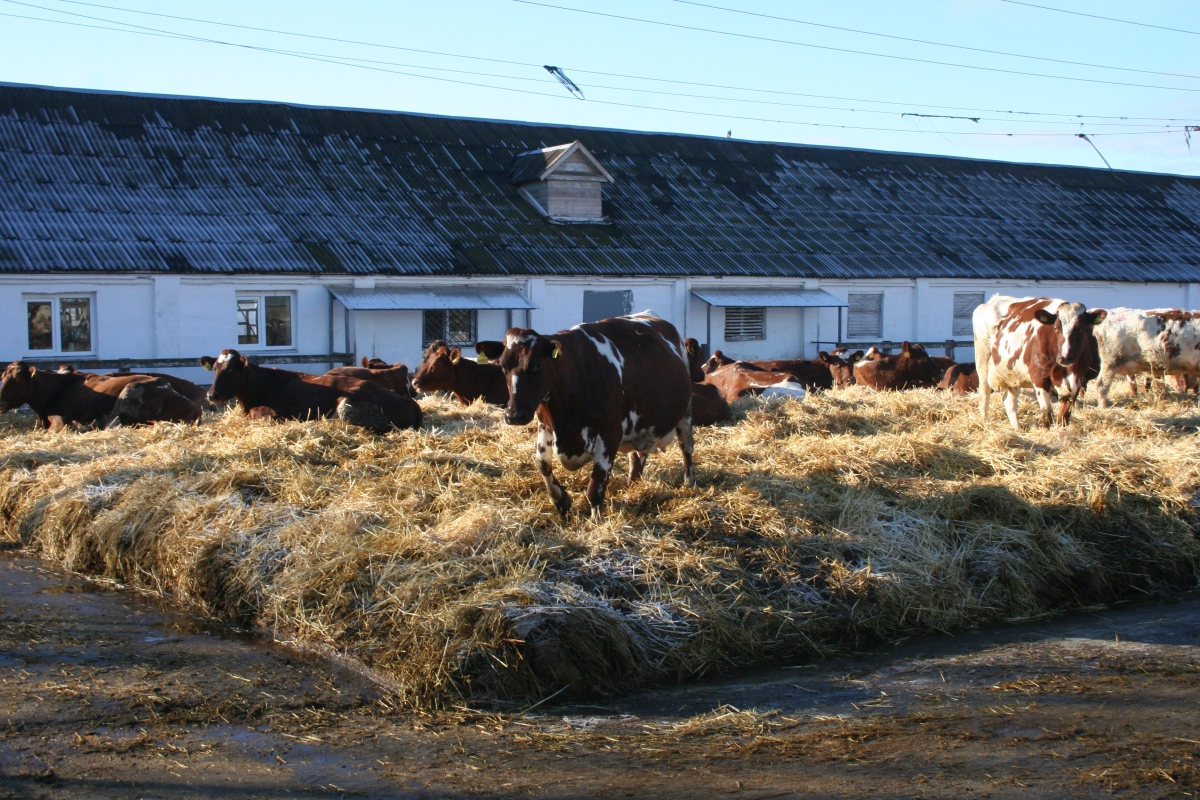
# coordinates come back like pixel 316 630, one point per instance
pixel 1104 383
pixel 683 434
pixel 1045 401
pixel 637 463
pixel 1011 398
pixel 545 446
pixel 602 460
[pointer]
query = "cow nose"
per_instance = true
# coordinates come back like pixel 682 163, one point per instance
pixel 517 417
pixel 1065 362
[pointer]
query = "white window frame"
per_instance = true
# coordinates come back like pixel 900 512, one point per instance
pixel 54 298
pixel 742 310
pixel 261 297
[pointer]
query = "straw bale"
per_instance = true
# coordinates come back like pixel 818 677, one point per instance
pixel 434 557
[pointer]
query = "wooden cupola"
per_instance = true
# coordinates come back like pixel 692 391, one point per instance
pixel 563 183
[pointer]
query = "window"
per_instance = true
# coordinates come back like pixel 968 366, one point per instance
pixel 744 324
pixel 265 320
pixel 964 306
pixel 60 324
pixel 456 327
pixel 602 305
pixel 864 317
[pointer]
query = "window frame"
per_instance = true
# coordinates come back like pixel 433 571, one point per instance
pixel 261 296
pixel 954 318
pixel 850 337
pixel 762 324
pixel 445 332
pixel 55 300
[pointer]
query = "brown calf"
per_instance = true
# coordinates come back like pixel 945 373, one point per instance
pixel 393 377
pixel 739 378
pixel 961 378
pixel 911 369
pixel 443 369
pixel 841 365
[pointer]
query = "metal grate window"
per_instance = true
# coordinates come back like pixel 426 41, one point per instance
pixel 457 327
pixel 964 307
pixel 864 317
pixel 744 324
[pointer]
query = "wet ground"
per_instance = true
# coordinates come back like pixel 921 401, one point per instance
pixel 106 695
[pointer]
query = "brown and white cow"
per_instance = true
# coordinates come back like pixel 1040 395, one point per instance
pixel 443 369
pixel 912 368
pixel 1159 341
pixel 811 374
pixel 598 389
pixel 393 377
pixel 1037 343
pixel 742 378
pixel 61 399
pixel 296 395
pixel 708 406
pixel 961 379
pixel 841 365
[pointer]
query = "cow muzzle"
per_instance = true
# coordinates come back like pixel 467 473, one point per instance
pixel 517 416
pixel 1065 362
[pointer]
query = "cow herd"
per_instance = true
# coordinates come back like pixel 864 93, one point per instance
pixel 633 385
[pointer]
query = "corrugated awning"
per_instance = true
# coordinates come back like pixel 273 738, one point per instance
pixel 770 298
pixel 429 299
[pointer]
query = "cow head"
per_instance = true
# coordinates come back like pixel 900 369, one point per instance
pixel 374 363
pixel 1074 324
pixel 489 351
pixel 715 362
pixel 841 365
pixel 17 386
pixel 229 375
pixel 694 356
pixel 529 362
pixel 438 368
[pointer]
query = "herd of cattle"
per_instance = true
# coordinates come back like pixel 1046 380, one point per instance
pixel 632 384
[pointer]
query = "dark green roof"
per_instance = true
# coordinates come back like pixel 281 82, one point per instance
pixel 102 182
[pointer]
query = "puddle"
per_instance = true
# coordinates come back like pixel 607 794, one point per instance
pixel 67 588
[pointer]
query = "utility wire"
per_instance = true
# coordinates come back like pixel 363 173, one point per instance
pixel 334 60
pixel 1106 19
pixel 850 51
pixel 758 90
pixel 932 43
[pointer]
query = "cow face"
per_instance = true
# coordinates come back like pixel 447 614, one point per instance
pixel 229 375
pixel 17 386
pixel 715 362
pixel 438 368
pixel 1074 324
pixel 695 359
pixel 528 361
pixel 374 363
pixel 841 366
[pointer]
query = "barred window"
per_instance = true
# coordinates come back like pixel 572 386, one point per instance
pixel 744 324
pixel 864 317
pixel 964 307
pixel 457 326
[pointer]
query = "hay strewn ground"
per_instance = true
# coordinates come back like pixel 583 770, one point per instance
pixel 435 558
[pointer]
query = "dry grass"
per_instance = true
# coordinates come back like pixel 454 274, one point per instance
pixel 434 556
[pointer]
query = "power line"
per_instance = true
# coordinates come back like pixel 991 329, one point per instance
pixel 757 90
pixel 146 31
pixel 850 51
pixel 1106 19
pixel 932 43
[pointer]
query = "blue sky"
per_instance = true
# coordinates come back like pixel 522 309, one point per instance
pixel 784 90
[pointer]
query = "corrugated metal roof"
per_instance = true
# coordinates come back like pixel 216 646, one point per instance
pixel 93 182
pixel 798 298
pixel 439 298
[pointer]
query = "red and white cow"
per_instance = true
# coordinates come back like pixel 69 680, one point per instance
pixel 1036 343
pixel 600 388
pixel 1159 341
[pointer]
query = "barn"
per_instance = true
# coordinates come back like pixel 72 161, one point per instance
pixel 154 228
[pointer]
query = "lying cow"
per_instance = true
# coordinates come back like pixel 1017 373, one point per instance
pixel 708 406
pixel 1037 343
pixel 443 369
pixel 600 388
pixel 393 377
pixel 960 379
pixel 295 395
pixel 740 378
pixel 811 374
pixel 912 368
pixel 1161 341
pixel 841 365
pixel 196 394
pixel 81 398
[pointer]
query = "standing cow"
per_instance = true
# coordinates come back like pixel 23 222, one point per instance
pixel 600 388
pixel 1036 343
pixel 1160 341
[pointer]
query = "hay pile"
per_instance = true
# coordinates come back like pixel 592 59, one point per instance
pixel 434 556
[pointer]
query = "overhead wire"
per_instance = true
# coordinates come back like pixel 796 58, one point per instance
pixel 929 42
pixel 145 30
pixel 851 51
pixel 576 69
pixel 1098 16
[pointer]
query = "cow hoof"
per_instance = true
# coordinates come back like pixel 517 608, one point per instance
pixel 563 504
pixel 597 514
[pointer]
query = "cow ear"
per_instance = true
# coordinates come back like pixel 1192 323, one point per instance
pixel 691 347
pixel 555 348
pixel 824 357
pixel 455 355
pixel 365 363
pixel 906 350
pixel 855 357
pixel 244 361
pixel 1045 317
pixel 1097 316
pixel 207 362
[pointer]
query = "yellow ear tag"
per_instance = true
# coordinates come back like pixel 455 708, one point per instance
pixel 33 370
pixel 454 359
pixel 557 350
pixel 208 366
pixel 482 358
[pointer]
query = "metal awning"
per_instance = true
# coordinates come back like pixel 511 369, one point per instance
pixel 769 298
pixel 417 299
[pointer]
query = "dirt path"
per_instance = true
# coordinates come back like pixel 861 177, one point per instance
pixel 104 695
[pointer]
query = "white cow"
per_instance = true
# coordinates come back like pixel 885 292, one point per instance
pixel 1160 341
pixel 985 320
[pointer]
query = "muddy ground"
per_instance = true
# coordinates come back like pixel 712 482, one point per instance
pixel 106 695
